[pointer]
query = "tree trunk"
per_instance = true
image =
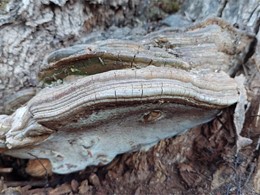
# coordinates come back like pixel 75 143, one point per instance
pixel 200 161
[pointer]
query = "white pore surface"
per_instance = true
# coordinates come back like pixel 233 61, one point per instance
pixel 76 146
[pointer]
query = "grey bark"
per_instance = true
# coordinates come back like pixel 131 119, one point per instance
pixel 32 29
pixel 29 30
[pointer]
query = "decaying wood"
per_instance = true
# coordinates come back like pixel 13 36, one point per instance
pixel 170 81
pixel 143 98
pixel 203 160
pixel 125 109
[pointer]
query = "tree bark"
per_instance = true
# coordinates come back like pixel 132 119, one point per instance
pixel 201 161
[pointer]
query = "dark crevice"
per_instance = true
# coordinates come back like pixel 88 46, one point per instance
pixel 251 50
pixel 221 8
pixel 257 25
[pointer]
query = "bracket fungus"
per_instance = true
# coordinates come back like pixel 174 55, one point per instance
pixel 131 95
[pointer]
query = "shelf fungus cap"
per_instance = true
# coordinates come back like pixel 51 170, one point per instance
pixel 91 120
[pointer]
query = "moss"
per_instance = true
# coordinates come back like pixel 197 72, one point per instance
pixel 78 68
pixel 169 6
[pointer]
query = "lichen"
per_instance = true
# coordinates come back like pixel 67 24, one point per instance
pixel 3 4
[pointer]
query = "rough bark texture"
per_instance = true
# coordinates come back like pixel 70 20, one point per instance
pixel 30 30
pixel 201 161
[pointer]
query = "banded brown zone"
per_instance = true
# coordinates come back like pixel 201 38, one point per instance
pixel 128 86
